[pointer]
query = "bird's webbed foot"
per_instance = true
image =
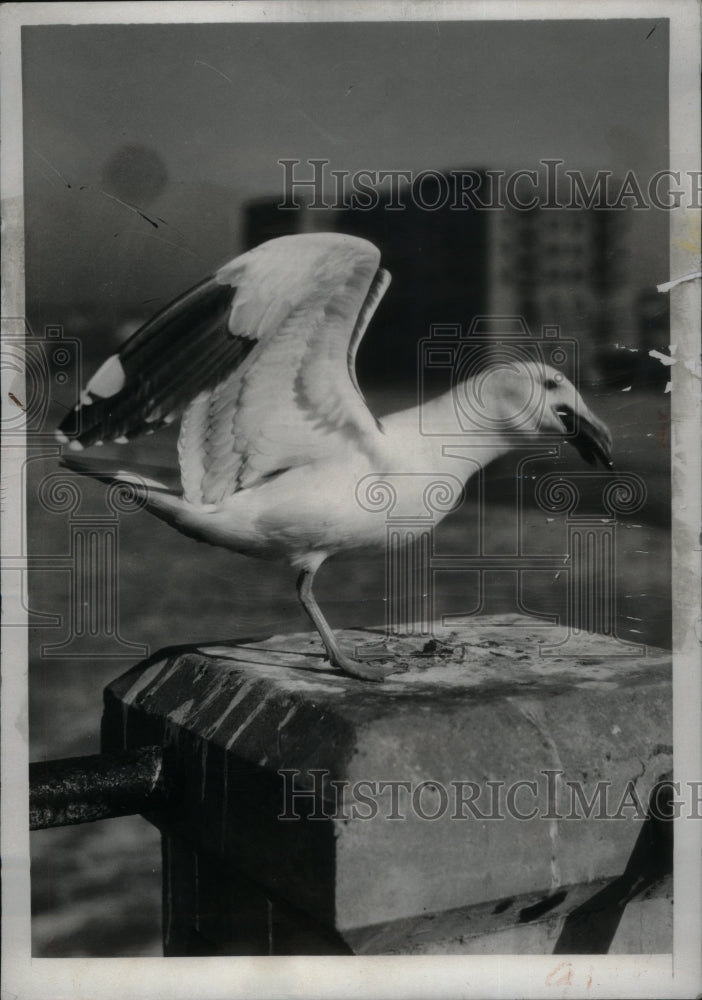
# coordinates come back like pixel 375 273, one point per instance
pixel 367 670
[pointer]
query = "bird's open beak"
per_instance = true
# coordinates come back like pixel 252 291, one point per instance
pixel 589 435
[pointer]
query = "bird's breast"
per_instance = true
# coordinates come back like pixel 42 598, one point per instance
pixel 340 503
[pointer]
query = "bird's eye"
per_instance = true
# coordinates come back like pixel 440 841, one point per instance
pixel 550 383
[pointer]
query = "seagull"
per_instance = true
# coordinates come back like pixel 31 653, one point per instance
pixel 258 363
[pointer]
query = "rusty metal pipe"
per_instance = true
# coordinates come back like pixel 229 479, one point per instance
pixel 84 789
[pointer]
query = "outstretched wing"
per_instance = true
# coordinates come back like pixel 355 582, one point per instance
pixel 262 356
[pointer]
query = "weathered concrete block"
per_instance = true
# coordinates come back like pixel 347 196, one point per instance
pixel 482 733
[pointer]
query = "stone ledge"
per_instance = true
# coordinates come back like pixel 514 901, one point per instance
pixel 478 705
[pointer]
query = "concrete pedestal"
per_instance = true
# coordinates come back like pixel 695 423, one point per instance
pixel 478 802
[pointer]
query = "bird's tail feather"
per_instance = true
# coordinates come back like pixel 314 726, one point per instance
pixel 158 488
pixel 151 477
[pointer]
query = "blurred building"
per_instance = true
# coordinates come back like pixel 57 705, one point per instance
pixel 573 268
pixel 265 220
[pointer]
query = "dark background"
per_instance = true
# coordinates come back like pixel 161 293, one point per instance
pixel 151 156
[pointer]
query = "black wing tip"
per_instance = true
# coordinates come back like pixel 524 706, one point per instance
pixel 180 351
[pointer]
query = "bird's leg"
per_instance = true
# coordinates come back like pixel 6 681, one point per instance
pixel 366 671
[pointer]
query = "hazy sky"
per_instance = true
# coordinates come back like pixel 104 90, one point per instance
pixel 216 106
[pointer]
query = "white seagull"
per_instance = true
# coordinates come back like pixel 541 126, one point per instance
pixel 275 435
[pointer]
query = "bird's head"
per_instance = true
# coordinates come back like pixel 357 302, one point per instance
pixel 533 400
